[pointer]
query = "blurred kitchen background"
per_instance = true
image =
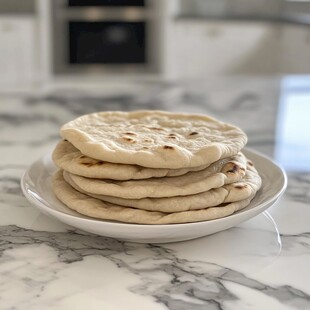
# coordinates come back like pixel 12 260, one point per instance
pixel 46 44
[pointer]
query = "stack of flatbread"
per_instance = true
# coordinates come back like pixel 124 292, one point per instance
pixel 153 167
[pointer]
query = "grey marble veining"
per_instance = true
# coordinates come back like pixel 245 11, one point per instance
pixel 298 187
pixel 44 264
pixel 202 283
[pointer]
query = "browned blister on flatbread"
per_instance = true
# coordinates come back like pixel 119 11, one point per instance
pixel 191 183
pixel 234 192
pixel 69 158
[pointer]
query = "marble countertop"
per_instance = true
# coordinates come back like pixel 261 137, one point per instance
pixel 263 263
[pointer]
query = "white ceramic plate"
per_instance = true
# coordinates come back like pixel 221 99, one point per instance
pixel 36 185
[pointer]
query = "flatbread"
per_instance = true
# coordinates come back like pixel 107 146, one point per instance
pixel 103 210
pixel 69 158
pixel 154 139
pixel 224 171
pixel 241 190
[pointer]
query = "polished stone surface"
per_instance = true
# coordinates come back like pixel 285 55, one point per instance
pixel 263 263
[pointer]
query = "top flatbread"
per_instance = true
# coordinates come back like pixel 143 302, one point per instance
pixel 154 139
pixel 69 158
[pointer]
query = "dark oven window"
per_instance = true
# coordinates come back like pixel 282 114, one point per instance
pixel 107 42
pixel 105 2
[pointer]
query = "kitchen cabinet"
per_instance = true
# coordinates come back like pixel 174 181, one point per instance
pixel 295 56
pixel 200 47
pixel 17 52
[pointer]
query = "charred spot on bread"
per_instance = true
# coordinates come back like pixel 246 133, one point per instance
pixel 168 147
pixel 91 164
pixel 193 133
pixel 130 133
pixel 129 139
pixel 172 136
pixel 88 164
pixel 233 169
pixel 240 186
pixel 156 128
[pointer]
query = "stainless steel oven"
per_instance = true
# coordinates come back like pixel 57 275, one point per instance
pixel 105 36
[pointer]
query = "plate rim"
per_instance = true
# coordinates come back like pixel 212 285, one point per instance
pixel 57 213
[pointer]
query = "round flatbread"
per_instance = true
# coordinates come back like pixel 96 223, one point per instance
pixel 154 139
pixel 224 171
pixel 103 210
pixel 69 158
pixel 237 191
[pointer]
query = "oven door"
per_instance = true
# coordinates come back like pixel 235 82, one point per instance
pixel 110 43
